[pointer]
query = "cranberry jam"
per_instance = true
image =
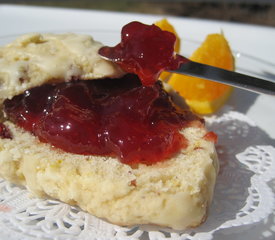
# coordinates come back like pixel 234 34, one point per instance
pixel 145 50
pixel 113 117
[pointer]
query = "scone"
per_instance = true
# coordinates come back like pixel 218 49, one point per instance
pixel 167 178
pixel 35 59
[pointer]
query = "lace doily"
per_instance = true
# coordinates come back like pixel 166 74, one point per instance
pixel 243 200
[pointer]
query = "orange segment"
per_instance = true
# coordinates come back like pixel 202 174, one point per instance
pixel 203 96
pixel 166 26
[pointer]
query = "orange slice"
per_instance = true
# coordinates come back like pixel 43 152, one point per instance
pixel 166 26
pixel 203 96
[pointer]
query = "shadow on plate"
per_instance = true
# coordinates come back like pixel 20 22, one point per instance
pixel 235 196
pixel 241 100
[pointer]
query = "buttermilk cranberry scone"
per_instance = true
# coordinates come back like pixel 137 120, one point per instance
pixel 75 127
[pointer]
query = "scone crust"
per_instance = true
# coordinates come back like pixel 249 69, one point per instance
pixel 175 193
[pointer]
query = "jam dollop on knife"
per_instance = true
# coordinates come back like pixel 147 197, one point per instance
pixel 109 117
pixel 145 50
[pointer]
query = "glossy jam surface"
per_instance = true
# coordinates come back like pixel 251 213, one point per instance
pixel 145 50
pixel 211 136
pixel 4 131
pixel 113 117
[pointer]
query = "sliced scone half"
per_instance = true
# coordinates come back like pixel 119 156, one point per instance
pixel 119 150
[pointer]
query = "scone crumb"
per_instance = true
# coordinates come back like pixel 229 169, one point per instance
pixel 174 193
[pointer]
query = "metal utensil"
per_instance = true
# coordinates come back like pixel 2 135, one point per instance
pixel 220 75
pixel 227 77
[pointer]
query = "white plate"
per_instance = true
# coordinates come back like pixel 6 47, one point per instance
pixel 254 51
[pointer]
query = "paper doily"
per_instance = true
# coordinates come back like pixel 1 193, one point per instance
pixel 244 196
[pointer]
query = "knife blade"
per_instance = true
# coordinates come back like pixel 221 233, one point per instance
pixel 234 79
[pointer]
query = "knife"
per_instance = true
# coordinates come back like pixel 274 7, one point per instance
pixel 234 79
